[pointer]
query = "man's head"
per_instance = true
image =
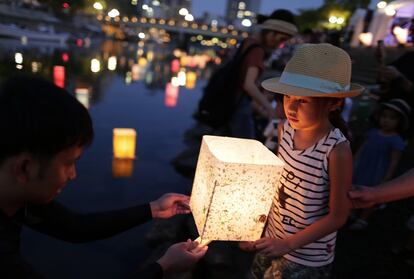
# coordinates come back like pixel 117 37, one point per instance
pixel 44 129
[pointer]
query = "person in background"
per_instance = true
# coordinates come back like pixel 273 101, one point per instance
pixel 47 130
pixel 376 161
pixel 274 30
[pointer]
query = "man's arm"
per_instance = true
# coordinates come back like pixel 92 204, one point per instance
pixel 399 188
pixel 57 221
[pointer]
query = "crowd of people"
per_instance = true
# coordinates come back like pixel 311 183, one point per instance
pixel 48 129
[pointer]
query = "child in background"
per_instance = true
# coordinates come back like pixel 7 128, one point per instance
pixel 377 159
pixel 311 201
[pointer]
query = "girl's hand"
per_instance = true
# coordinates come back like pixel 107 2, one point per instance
pixel 272 247
pixel 247 246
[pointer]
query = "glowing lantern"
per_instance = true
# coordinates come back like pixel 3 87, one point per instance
pixel 171 95
pixel 191 80
pixel 401 34
pixel 95 65
pixel 233 189
pixel 181 78
pixel 136 72
pixel 124 143
pixel 366 38
pixel 122 167
pixel 82 95
pixel 175 66
pixel 112 61
pixel 59 76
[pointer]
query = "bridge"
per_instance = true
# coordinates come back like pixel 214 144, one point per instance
pixel 176 26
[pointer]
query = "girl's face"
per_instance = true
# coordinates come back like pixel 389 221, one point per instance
pixel 306 113
pixel 389 120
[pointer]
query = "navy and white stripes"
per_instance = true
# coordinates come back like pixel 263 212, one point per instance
pixel 302 196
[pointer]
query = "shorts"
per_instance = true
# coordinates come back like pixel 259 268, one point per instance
pixel 281 268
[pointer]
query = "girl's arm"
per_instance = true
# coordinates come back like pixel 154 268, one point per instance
pixel 395 158
pixel 340 176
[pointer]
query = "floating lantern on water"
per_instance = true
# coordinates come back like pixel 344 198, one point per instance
pixel 233 189
pixel 171 95
pixel 190 80
pixel 59 76
pixel 124 140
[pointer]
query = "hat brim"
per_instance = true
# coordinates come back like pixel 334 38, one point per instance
pixel 273 85
pixel 279 29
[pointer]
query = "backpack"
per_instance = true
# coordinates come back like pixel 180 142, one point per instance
pixel 221 95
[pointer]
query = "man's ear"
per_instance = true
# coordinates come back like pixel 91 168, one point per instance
pixel 22 167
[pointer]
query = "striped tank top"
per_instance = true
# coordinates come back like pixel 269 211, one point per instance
pixel 302 196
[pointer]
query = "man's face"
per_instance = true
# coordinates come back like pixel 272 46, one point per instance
pixel 51 177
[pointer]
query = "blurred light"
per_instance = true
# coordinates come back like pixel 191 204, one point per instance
pixel 171 22
pixel 185 24
pixel 191 80
pixel 113 13
pixel 128 77
pixel 145 7
pixel 150 55
pixel 134 2
pixel 65 5
pixel 189 17
pixel 125 19
pixel 171 95
pixel 183 11
pixel 156 3
pixel 136 72
pixel 381 5
pixel 340 20
pixel 390 11
pixel 122 168
pixel 242 6
pixel 182 78
pixel 19 66
pixel 79 42
pixel 112 63
pixel 98 6
pixel 59 76
pixel 333 19
pixel 162 21
pixel 199 37
pixel 134 19
pixel 214 23
pixel 175 82
pixel 36 67
pixel 141 35
pixel 18 58
pixel 82 95
pixel 65 57
pixel 175 65
pixel 366 38
pixel 401 34
pixel 124 142
pixel 95 65
pixel 24 40
pixel 142 62
pixel 246 22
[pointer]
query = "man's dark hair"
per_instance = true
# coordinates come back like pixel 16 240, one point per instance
pixel 40 118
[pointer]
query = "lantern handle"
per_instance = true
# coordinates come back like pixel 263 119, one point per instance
pixel 202 242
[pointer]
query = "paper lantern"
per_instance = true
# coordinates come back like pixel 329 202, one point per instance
pixel 233 188
pixel 124 143
pixel 59 76
pixel 365 38
pixel 171 95
pixel 191 80
pixel 122 167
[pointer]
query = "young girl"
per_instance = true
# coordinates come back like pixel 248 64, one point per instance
pixel 377 159
pixel 311 201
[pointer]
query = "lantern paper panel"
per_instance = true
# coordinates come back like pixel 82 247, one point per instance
pixel 124 141
pixel 233 188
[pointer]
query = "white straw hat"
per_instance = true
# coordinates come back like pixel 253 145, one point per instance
pixel 279 26
pixel 316 70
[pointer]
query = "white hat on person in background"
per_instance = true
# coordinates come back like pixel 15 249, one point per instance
pixel 279 26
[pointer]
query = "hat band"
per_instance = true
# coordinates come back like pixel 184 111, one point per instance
pixel 312 83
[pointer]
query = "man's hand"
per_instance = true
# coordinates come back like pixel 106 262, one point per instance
pixel 182 256
pixel 169 205
pixel 272 247
pixel 363 197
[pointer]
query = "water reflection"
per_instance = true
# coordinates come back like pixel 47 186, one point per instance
pixel 157 66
